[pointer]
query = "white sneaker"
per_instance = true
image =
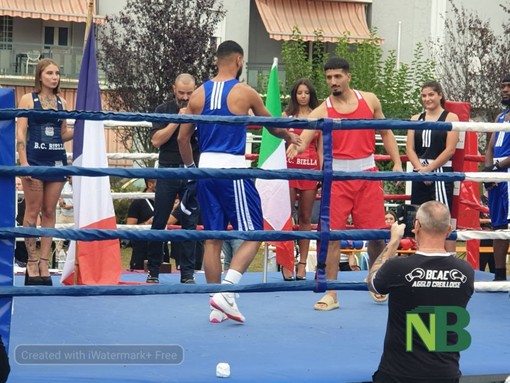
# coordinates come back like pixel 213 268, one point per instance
pixel 216 316
pixel 226 303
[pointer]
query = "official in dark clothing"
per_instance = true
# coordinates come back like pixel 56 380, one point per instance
pixel 164 137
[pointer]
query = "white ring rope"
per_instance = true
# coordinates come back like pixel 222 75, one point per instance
pixel 482 127
pixel 492 287
pixel 464 235
pixel 127 195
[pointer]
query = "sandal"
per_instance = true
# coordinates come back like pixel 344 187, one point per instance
pixel 326 303
pixel 286 279
pixel 32 280
pixel 298 277
pixel 46 281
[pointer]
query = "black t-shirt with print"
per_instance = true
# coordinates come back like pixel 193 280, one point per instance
pixel 421 280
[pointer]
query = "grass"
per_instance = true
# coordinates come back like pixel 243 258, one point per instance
pixel 256 265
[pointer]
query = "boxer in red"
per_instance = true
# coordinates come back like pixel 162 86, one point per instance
pixel 353 150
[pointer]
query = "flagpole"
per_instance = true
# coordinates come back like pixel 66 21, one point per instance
pixel 90 11
pixel 89 21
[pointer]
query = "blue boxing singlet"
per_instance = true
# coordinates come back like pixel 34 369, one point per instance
pixel 219 138
pixel 44 138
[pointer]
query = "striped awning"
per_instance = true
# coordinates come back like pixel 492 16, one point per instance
pixel 59 10
pixel 333 18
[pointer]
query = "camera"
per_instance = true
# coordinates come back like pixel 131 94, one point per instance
pixel 407 214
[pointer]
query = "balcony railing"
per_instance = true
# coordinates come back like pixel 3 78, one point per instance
pixel 21 59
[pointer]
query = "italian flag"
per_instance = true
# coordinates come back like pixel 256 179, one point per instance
pixel 275 194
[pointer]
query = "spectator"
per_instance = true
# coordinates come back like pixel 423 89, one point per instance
pixel 20 250
pixel 431 277
pixel 228 249
pixel 176 248
pixel 141 212
pixel 390 217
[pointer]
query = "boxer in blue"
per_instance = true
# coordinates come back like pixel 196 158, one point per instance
pixel 223 146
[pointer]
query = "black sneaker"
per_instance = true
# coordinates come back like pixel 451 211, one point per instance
pixel 188 281
pixel 152 278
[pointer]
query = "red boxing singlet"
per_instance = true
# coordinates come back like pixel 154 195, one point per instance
pixel 352 144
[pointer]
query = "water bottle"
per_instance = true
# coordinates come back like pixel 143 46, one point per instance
pixel 271 261
pixel 61 259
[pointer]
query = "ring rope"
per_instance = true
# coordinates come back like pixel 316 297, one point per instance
pixel 178 288
pixel 293 174
pixel 280 122
pixel 326 124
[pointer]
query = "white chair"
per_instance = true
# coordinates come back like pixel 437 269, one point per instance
pixel 32 59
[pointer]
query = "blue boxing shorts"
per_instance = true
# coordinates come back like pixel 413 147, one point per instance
pixel 224 201
pixel 498 204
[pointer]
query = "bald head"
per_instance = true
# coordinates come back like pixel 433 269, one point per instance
pixel 185 78
pixel 183 88
pixel 434 218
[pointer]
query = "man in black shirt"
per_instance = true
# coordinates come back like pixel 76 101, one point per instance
pixel 164 137
pixel 141 212
pixel 432 278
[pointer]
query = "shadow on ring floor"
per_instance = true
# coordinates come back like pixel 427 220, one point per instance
pixel 283 339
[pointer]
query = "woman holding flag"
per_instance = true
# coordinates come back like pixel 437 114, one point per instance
pixel 40 142
pixel 303 99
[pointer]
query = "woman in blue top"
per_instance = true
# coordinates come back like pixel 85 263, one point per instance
pixel 40 142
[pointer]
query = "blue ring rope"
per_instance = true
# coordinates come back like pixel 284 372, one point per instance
pixel 178 288
pixel 327 177
pixel 272 122
pixel 183 173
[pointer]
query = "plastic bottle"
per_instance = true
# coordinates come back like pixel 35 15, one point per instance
pixel 61 259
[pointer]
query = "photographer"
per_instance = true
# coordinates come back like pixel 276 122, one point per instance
pixel 431 277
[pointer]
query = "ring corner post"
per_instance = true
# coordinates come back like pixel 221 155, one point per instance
pixel 324 229
pixel 7 211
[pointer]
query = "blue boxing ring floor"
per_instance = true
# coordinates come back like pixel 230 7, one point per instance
pixel 283 339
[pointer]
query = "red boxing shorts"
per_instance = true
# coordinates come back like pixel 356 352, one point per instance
pixel 363 199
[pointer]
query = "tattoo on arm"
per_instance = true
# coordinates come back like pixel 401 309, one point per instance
pixel 21 145
pixel 388 252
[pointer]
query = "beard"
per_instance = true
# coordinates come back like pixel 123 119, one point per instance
pixel 239 73
pixel 182 103
pixel 336 92
pixel 505 101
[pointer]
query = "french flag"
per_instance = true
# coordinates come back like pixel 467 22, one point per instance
pixel 99 262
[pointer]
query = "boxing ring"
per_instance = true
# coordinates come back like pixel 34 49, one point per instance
pixel 282 340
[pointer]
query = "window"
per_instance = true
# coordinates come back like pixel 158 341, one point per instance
pixel 5 32
pixel 56 36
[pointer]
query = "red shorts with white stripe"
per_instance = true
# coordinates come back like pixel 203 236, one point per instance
pixel 363 199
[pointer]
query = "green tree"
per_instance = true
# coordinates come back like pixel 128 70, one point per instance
pixel 398 86
pixel 471 60
pixel 144 47
pixel 299 64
